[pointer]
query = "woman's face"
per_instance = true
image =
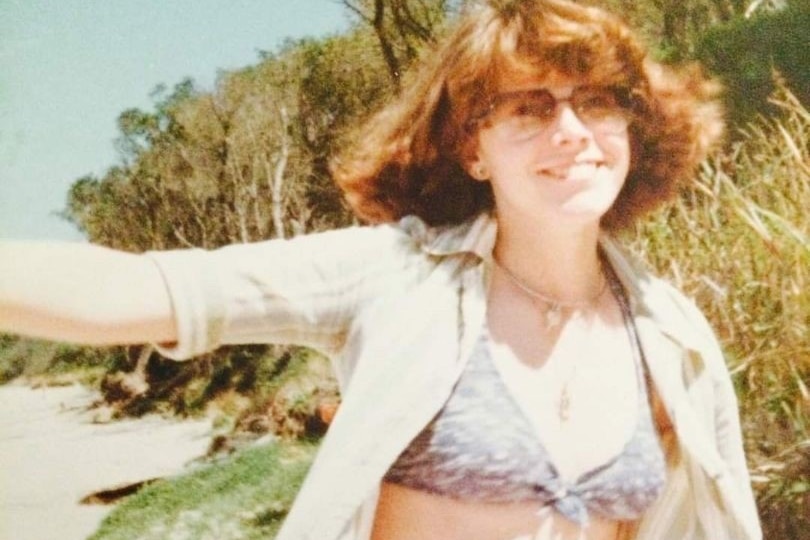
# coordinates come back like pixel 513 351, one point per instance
pixel 553 150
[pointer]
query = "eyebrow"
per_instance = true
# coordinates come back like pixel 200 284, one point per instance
pixel 518 93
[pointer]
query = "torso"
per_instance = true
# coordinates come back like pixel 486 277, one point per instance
pixel 591 355
pixel 536 365
pixel 408 514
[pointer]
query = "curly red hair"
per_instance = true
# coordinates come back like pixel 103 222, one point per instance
pixel 410 157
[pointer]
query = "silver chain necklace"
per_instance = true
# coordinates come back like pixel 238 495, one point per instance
pixel 553 307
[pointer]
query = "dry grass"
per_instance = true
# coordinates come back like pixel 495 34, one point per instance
pixel 738 244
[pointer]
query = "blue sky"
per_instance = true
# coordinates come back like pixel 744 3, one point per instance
pixel 69 67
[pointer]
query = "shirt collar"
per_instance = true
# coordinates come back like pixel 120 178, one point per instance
pixel 476 236
pixel 654 298
pixel 648 296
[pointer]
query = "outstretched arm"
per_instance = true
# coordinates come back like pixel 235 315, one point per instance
pixel 82 293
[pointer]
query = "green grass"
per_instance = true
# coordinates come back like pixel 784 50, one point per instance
pixel 739 244
pixel 245 497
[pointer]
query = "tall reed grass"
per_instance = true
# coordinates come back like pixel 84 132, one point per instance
pixel 738 244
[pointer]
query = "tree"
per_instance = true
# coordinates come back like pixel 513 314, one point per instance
pixel 244 162
pixel 676 26
pixel 751 54
pixel 402 27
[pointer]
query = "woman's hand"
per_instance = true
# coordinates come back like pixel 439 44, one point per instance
pixel 82 293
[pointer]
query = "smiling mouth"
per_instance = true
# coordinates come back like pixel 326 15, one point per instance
pixel 584 170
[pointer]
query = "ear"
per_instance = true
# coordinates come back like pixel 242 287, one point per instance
pixel 472 161
pixel 478 170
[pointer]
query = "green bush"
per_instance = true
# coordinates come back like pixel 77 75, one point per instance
pixel 58 362
pixel 745 54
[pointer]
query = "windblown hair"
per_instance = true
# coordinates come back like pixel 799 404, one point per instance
pixel 410 157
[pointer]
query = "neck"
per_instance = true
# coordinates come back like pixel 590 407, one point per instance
pixel 562 262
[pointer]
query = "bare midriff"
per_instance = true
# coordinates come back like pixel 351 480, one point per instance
pixel 408 514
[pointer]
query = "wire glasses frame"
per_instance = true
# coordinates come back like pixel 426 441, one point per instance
pixel 526 113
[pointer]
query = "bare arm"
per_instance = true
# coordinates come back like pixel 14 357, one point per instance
pixel 82 293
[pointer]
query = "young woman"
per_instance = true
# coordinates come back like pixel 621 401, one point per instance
pixel 506 371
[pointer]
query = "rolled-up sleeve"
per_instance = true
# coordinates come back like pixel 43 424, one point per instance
pixel 197 299
pixel 301 291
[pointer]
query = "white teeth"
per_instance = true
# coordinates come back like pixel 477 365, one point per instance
pixel 577 170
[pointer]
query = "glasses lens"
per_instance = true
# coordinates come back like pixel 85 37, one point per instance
pixel 529 112
pixel 526 111
pixel 597 104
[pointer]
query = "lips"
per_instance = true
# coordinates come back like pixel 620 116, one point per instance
pixel 571 171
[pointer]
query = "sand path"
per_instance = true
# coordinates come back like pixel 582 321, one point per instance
pixel 52 455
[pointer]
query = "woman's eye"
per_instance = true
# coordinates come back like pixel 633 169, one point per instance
pixel 598 101
pixel 535 108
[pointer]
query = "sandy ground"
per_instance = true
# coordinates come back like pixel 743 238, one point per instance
pixel 52 455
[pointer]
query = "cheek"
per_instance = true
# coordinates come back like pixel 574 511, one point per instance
pixel 635 151
pixel 625 155
pixel 618 147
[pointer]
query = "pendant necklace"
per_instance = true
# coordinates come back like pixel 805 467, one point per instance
pixel 552 312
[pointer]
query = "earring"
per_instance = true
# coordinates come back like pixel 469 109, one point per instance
pixel 480 172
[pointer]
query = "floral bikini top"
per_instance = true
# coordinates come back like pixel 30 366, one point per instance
pixel 481 447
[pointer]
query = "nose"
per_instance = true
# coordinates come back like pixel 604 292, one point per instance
pixel 570 130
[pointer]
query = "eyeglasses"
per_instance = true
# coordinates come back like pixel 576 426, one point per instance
pixel 526 113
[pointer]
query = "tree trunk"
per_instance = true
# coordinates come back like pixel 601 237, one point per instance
pixel 278 175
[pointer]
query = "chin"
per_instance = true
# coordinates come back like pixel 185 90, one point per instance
pixel 587 207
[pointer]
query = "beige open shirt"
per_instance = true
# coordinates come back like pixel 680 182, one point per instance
pixel 398 308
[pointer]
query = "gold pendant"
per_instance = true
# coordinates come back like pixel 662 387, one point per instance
pixel 553 316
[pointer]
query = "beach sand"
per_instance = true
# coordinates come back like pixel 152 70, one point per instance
pixel 52 455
